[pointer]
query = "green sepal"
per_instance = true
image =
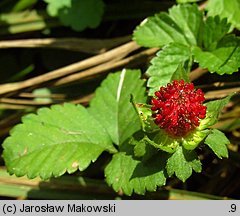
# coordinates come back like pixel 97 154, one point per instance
pixel 145 115
pixel 194 139
pixel 163 142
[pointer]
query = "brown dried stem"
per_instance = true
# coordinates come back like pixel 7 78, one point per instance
pixel 92 46
pixel 70 69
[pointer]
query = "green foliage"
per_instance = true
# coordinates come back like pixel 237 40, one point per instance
pixel 164 142
pixel 54 141
pixel 225 9
pixel 217 141
pixel 213 110
pixel 186 36
pixel 182 162
pixel 214 30
pixel 74 137
pixel 181 73
pixel 112 107
pixel 194 139
pixel 140 148
pixel 189 19
pixel 145 115
pixel 77 14
pixel 127 174
pixel 225 59
pixel 181 25
pixel 165 64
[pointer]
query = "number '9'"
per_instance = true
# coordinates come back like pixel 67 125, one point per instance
pixel 233 207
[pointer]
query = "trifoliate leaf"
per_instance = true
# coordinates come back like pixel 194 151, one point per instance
pixel 213 110
pixel 181 25
pixel 165 64
pixel 54 141
pixel 127 174
pixel 225 9
pixel 112 107
pixel 225 59
pixel 213 32
pixel 77 14
pixel 182 162
pixel 217 141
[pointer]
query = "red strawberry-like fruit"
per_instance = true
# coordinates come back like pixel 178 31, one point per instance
pixel 178 108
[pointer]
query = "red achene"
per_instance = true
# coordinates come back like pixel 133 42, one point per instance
pixel 178 108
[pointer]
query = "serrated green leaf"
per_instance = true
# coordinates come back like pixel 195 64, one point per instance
pixel 158 31
pixel 213 110
pixel 213 32
pixel 190 19
pixel 126 174
pixel 217 141
pixel 225 59
pixel 77 14
pixel 182 162
pixel 181 25
pixel 165 64
pixel 112 107
pixel 225 9
pixel 54 141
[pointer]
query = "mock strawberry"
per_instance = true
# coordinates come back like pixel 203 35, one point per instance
pixel 178 108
